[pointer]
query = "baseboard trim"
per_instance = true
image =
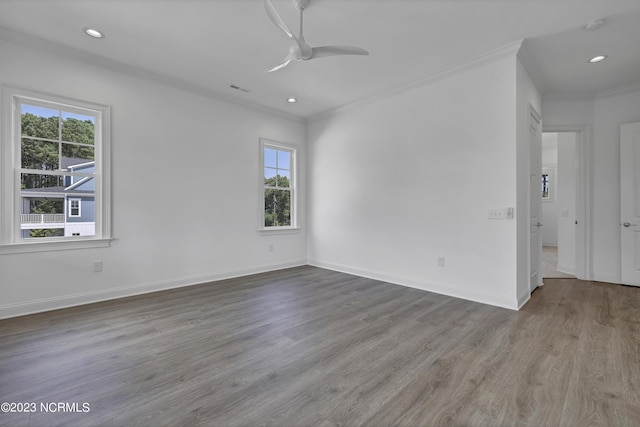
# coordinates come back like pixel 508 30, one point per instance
pixel 439 288
pixel 607 278
pixel 523 299
pixel 48 304
pixel 565 270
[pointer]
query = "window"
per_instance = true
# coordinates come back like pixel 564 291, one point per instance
pixel 278 197
pixel 547 182
pixel 55 155
pixel 74 207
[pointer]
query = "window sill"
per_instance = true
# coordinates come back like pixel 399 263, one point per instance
pixel 57 245
pixel 279 230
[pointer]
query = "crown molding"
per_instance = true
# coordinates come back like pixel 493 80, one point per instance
pixel 590 96
pixel 506 51
pixel 78 55
pixel 558 96
pixel 623 90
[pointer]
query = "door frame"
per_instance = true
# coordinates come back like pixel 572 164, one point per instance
pixel 535 271
pixel 628 269
pixel 584 198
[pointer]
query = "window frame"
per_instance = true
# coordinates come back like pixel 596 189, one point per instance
pixel 293 171
pixel 548 171
pixel 71 208
pixel 10 202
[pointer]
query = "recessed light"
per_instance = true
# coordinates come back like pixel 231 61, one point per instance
pixel 598 58
pixel 93 33
pixel 292 100
pixel 594 25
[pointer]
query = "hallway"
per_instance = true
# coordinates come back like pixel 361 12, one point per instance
pixel 550 262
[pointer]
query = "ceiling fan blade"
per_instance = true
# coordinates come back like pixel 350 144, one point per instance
pixel 290 57
pixel 322 51
pixel 276 19
pixel 301 50
pixel 279 66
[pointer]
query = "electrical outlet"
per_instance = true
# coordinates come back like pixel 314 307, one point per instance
pixel 440 261
pixel 270 247
pixel 97 266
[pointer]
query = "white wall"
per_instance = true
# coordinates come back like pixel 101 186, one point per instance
pixel 603 116
pixel 566 185
pixel 185 190
pixel 397 183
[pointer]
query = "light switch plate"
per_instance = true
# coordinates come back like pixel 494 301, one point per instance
pixel 496 213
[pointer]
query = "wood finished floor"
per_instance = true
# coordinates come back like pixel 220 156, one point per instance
pixel 311 347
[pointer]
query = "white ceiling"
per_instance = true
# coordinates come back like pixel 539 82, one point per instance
pixel 208 45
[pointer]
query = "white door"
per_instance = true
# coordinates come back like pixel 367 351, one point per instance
pixel 535 192
pixel 630 202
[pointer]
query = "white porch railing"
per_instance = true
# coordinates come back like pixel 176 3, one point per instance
pixel 41 218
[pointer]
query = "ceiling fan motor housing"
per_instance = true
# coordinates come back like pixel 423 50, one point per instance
pixel 301 4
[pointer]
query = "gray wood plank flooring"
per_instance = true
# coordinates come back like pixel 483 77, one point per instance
pixel 312 347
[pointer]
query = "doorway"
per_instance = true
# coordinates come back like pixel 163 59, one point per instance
pixel 559 187
pixel 630 200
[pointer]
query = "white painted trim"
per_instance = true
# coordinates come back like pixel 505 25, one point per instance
pixel 607 278
pixel 537 123
pixel 70 201
pixel 439 288
pixel 7 156
pixel 524 298
pixel 48 304
pixel 49 47
pixel 590 96
pixel 550 172
pixel 555 96
pixel 55 244
pixel 279 230
pixel 618 91
pixel 293 150
pixel 480 60
pixel 565 269
pixel 11 198
pixel 584 197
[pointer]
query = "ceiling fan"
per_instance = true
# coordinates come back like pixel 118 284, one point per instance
pixel 299 49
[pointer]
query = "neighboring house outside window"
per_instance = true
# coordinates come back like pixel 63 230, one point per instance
pixel 60 187
pixel 278 197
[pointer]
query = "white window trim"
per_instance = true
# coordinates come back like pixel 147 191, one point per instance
pixel 10 241
pixel 71 200
pixel 551 183
pixel 294 227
